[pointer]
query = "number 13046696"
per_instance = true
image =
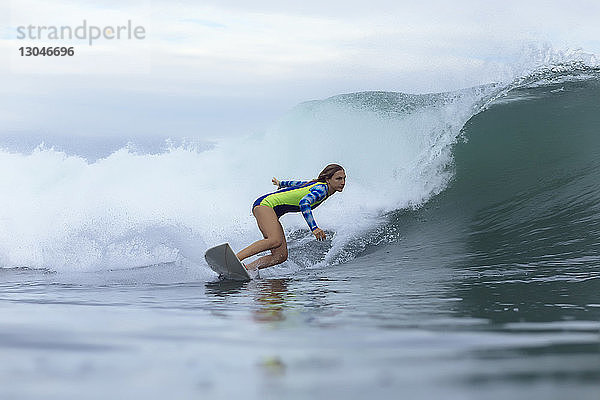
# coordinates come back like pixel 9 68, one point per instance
pixel 46 51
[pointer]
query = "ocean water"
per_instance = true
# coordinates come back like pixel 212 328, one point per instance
pixel 462 262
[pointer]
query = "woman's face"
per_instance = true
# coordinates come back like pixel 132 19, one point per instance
pixel 337 181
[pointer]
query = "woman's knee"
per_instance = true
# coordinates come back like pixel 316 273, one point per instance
pixel 274 242
pixel 281 254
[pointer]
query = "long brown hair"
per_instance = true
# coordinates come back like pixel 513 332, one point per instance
pixel 328 172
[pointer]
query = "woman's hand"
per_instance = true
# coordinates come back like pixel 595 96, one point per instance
pixel 319 234
pixel 275 181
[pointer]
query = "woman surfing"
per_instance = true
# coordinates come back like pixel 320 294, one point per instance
pixel 292 196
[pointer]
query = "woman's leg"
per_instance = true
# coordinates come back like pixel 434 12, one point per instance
pixel 274 240
pixel 277 256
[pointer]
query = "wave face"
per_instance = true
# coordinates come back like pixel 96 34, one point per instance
pixel 526 174
pixel 526 186
pixel 531 173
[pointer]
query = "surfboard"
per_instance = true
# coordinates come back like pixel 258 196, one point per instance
pixel 224 262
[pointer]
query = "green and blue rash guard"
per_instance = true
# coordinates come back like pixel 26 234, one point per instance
pixel 295 196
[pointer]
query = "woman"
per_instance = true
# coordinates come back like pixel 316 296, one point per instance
pixel 294 196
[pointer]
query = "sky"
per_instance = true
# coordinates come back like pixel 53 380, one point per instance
pixel 215 68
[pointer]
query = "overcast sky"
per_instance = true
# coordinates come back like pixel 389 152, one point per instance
pixel 217 67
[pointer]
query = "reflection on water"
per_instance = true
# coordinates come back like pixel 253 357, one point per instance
pixel 270 297
pixel 224 288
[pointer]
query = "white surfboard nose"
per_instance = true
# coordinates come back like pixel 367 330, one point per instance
pixel 224 262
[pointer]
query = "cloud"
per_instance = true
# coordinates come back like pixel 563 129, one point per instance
pixel 270 41
pixel 204 22
pixel 285 52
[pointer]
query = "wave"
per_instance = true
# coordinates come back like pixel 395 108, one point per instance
pixel 527 176
pixel 526 182
pixel 457 159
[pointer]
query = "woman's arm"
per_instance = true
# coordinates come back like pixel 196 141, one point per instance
pixel 316 194
pixel 282 184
